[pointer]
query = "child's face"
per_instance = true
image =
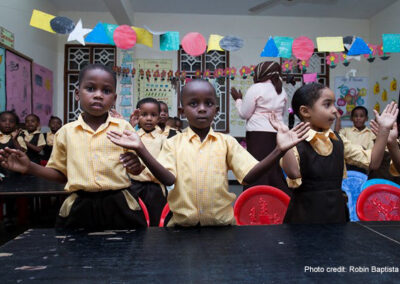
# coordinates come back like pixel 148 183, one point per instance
pixel 163 114
pixel 54 125
pixel 323 113
pixel 359 118
pixel 149 115
pixel 178 124
pixel 96 92
pixel 31 123
pixel 199 105
pixel 170 123
pixel 7 123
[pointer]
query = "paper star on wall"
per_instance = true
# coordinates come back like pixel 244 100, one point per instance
pixel 78 33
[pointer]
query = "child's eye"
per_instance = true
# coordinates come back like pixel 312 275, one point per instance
pixel 193 104
pixel 210 103
pixel 107 92
pixel 90 89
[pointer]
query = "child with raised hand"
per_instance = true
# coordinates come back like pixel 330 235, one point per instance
pixel 146 186
pixel 34 139
pixel 94 169
pixel 55 123
pixel 197 161
pixel 316 166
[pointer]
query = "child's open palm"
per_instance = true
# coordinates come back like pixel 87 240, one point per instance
pixel 286 138
pixel 388 116
pixel 393 134
pixel 14 160
pixel 127 139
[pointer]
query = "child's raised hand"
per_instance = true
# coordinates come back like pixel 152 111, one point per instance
pixel 393 134
pixel 127 139
pixel 285 138
pixel 236 94
pixel 374 127
pixel 132 163
pixel 14 160
pixel 134 118
pixel 388 116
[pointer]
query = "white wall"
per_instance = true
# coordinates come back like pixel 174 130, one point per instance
pixel 387 21
pixel 39 45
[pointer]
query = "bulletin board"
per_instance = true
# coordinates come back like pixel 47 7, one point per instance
pixel 18 84
pixel 42 92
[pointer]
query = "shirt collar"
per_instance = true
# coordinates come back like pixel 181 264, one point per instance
pixel 34 132
pixel 81 123
pixel 153 134
pixel 190 134
pixel 355 129
pixel 314 134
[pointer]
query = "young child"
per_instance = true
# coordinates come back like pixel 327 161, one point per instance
pixel 359 134
pixel 167 128
pixel 34 139
pixel 317 163
pixel 55 123
pixel 94 169
pixel 178 124
pixel 146 185
pixel 9 135
pixel 197 161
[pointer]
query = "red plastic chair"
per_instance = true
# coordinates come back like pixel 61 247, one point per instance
pixel 379 202
pixel 261 205
pixel 145 212
pixel 164 214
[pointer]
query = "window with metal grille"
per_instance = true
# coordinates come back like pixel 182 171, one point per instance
pixel 77 57
pixel 209 61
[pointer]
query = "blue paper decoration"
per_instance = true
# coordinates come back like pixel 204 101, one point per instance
pixel 98 35
pixel 284 45
pixel 270 49
pixel 359 47
pixel 391 42
pixel 169 41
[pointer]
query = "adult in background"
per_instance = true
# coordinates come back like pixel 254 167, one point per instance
pixel 265 96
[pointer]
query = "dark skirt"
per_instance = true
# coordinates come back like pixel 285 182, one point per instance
pixel 153 197
pixel 104 210
pixel 260 144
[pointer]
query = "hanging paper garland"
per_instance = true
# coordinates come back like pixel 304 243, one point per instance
pixel 252 67
pixel 244 71
pixel 332 59
pixel 303 64
pixel 371 57
pixel 382 55
pixel 233 73
pixel 194 44
pixel 124 37
pixel 303 48
pixel 287 66
pixel 343 58
pixel 218 73
pixel 227 72
pixel 197 74
pixel 206 74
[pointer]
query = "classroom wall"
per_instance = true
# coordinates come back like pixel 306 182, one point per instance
pixel 383 72
pixel 41 46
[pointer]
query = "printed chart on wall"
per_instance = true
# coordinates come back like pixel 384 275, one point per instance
pixel 153 86
pixel 125 85
pixel 349 93
pixel 2 79
pixel 42 92
pixel 236 124
pixel 18 84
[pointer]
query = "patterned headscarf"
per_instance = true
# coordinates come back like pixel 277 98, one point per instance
pixel 269 70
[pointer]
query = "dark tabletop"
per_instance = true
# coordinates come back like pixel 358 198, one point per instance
pixel 18 184
pixel 251 254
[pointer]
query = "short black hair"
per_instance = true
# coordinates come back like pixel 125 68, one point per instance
pixel 103 67
pixel 177 119
pixel 163 103
pixel 34 115
pixel 359 107
pixel 12 113
pixel 55 117
pixel 183 90
pixel 306 95
pixel 147 101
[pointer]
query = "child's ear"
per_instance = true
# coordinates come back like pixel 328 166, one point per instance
pixel 77 94
pixel 304 111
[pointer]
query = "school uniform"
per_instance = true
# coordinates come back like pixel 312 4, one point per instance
pixel 168 131
pixel 7 141
pixel 35 138
pixel 318 197
pixel 147 187
pixel 364 138
pixel 201 196
pixel 49 138
pixel 101 194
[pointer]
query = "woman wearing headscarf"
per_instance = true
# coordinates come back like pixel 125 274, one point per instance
pixel 265 96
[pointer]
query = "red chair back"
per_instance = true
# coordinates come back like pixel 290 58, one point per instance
pixel 261 205
pixel 379 202
pixel 145 212
pixel 164 214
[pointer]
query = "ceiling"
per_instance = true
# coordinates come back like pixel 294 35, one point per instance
pixel 357 9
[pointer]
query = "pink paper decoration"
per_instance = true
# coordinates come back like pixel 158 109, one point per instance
pixel 374 50
pixel 332 59
pixel 194 44
pixel 124 37
pixel 309 78
pixel 287 66
pixel 303 48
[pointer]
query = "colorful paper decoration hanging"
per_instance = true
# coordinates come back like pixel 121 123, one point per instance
pixel 287 66
pixel 359 47
pixel 303 48
pixel 213 43
pixel 231 43
pixel 330 44
pixel 143 36
pixel 169 41
pixel 382 55
pixel 371 57
pixel 343 58
pixel 78 33
pixel 41 20
pixel 303 64
pixel 391 42
pixel 62 25
pixel 332 59
pixel 284 45
pixel 98 35
pixel 124 37
pixel 270 49
pixel 310 77
pixel 194 44
pixel 109 29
